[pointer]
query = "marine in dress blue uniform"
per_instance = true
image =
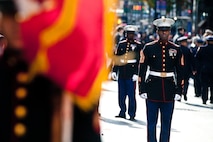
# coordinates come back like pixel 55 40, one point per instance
pixel 197 66
pixel 26 108
pixel 204 56
pixel 30 109
pixel 126 68
pixel 188 63
pixel 163 83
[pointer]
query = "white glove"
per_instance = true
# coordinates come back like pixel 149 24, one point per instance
pixel 113 75
pixel 143 95
pixel 135 77
pixel 177 97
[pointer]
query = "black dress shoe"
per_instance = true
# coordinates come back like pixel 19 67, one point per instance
pixel 120 116
pixel 197 95
pixel 185 97
pixel 132 119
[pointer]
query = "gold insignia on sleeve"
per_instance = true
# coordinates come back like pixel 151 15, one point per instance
pixel 139 79
pixel 142 57
pixel 182 60
pixel 182 82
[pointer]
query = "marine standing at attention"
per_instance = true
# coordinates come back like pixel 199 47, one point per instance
pixel 163 84
pixel 126 68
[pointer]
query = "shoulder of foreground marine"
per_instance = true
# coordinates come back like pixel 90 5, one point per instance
pixel 174 44
pixel 123 41
pixel 152 43
pixel 138 42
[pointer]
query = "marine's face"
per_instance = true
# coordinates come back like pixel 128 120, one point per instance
pixel 163 34
pixel 184 43
pixel 130 35
pixel 10 28
pixel 3 44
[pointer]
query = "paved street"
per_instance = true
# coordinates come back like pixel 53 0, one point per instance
pixel 192 121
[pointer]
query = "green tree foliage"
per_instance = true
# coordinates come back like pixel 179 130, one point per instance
pixel 151 3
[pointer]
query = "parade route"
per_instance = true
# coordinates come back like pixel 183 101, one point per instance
pixel 192 121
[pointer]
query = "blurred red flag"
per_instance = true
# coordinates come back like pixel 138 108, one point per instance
pixel 66 41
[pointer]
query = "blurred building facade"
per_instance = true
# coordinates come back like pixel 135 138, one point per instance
pixel 205 14
pixel 191 14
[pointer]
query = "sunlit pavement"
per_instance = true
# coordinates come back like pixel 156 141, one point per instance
pixel 192 121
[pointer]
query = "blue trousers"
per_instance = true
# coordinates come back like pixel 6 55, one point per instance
pixel 166 111
pixel 126 87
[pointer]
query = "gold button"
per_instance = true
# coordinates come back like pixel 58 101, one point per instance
pixel 164 65
pixel 21 93
pixel 163 46
pixel 19 129
pixel 164 60
pixel 163 69
pixel 22 77
pixel 164 51
pixel 164 55
pixel 20 111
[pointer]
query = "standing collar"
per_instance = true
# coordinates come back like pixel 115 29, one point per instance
pixel 162 42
